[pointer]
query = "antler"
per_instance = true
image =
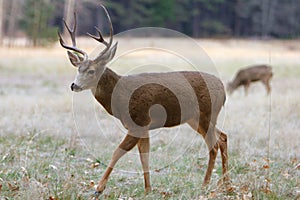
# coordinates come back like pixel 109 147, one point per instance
pixel 100 37
pixel 72 34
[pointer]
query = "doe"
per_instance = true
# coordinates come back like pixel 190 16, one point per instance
pixel 246 76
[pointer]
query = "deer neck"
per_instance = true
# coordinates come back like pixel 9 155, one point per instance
pixel 105 87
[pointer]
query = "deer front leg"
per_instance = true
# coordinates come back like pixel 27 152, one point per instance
pixel 126 145
pixel 144 146
pixel 246 87
pixel 211 142
pixel 267 85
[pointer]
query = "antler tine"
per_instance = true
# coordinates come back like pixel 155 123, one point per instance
pixel 72 34
pixel 101 39
pixel 72 31
pixel 111 30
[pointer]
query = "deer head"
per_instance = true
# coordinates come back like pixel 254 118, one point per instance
pixel 89 70
pixel 230 87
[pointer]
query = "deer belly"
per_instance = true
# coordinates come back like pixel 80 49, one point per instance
pixel 157 114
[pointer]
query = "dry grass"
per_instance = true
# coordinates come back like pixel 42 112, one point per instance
pixel 51 138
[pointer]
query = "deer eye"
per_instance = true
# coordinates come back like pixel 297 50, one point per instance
pixel 91 72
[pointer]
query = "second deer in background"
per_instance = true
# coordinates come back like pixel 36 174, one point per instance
pixel 246 76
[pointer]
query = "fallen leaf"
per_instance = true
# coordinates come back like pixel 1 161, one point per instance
pixel 166 194
pixel 94 165
pixel 247 196
pixel 23 169
pixel 92 183
pixel 230 188
pixel 13 187
pixel 266 166
pixel 212 194
pixel 244 189
pixel 294 161
pixel 53 167
pixel 266 189
pixel 89 160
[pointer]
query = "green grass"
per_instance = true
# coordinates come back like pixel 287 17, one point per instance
pixel 41 166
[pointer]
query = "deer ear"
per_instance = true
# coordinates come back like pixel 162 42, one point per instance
pixel 109 55
pixel 74 58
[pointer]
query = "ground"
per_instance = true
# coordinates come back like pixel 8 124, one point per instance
pixel 55 144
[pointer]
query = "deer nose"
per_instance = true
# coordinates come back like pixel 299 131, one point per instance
pixel 74 87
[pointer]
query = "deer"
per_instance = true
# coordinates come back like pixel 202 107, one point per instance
pixel 248 75
pixel 148 101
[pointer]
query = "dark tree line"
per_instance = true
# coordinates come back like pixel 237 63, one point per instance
pixel 39 19
pixel 212 18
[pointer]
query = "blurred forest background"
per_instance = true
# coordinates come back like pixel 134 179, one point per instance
pixel 35 22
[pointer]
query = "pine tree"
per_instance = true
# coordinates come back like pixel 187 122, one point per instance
pixel 37 14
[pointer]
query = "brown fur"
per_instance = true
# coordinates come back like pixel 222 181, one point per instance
pixel 154 90
pixel 246 76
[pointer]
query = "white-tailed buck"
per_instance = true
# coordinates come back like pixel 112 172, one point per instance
pixel 148 101
pixel 246 76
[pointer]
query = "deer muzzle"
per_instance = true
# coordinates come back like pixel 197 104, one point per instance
pixel 75 87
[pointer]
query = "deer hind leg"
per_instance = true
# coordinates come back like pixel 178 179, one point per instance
pixel 213 146
pixel 266 82
pixel 211 142
pixel 144 146
pixel 222 141
pixel 126 145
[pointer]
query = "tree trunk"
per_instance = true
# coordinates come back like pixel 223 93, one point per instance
pixel 35 24
pixel 12 21
pixel 196 20
pixel 268 12
pixel 237 18
pixel 1 21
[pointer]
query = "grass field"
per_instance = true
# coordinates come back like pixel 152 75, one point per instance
pixel 55 144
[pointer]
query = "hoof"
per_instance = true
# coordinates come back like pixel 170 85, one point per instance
pixel 96 195
pixel 148 190
pixel 205 183
pixel 98 191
